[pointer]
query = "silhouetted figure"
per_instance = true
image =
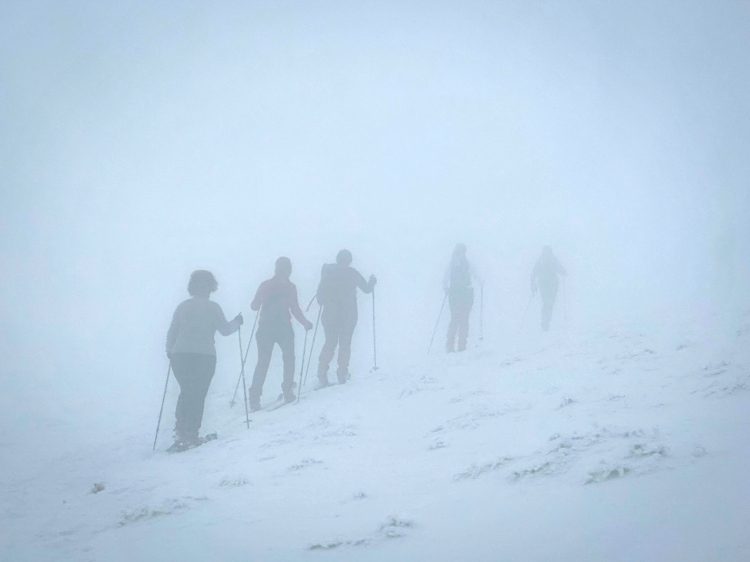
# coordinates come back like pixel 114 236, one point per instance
pixel 277 300
pixel 337 294
pixel 544 276
pixel 457 285
pixel 192 353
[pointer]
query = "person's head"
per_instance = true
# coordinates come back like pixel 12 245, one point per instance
pixel 459 250
pixel 344 257
pixel 547 251
pixel 202 283
pixel 283 267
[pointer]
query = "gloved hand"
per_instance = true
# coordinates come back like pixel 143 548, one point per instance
pixel 373 280
pixel 239 319
pixel 308 326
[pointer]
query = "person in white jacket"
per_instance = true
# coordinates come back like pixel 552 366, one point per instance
pixel 192 353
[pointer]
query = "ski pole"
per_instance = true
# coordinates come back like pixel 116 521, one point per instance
pixel 242 375
pixel 312 348
pixel 243 359
pixel 374 343
pixel 302 367
pixel 481 312
pixel 437 323
pixel 164 396
pixel 523 320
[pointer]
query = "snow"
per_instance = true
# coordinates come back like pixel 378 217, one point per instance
pixel 593 444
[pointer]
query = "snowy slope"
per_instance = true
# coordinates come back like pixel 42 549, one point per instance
pixel 607 445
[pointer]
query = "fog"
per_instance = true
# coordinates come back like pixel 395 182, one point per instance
pixel 143 141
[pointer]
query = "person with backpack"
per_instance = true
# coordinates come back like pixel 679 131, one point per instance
pixel 276 299
pixel 458 288
pixel 192 354
pixel 544 277
pixel 337 295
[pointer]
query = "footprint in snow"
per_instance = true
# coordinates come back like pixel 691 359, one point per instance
pixel 304 463
pixel 233 482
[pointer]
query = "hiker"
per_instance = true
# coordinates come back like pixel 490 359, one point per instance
pixel 277 300
pixel 544 277
pixel 337 295
pixel 457 285
pixel 192 354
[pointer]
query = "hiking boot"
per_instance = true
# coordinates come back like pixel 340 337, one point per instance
pixel 342 377
pixel 253 404
pixel 322 382
pixel 289 396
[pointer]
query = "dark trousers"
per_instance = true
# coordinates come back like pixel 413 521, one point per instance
pixel 193 372
pixel 338 326
pixel 267 336
pixel 460 301
pixel 549 295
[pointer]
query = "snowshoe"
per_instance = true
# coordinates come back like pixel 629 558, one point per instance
pixel 176 447
pixel 276 404
pixel 180 446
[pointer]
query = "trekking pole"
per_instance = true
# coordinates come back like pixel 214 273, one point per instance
pixel 242 375
pixel 302 367
pixel 481 312
pixel 437 323
pixel 312 348
pixel 164 396
pixel 311 301
pixel 523 320
pixel 243 359
pixel 374 343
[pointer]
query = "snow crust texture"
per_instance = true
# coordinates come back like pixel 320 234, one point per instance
pixel 615 445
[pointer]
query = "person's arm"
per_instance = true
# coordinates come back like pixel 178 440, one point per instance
pixel 174 329
pixel 222 326
pixel 260 297
pixel 366 286
pixel 320 294
pixel 296 310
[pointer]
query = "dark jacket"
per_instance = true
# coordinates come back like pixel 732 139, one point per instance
pixel 338 287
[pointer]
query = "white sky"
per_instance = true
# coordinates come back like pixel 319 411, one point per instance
pixel 142 141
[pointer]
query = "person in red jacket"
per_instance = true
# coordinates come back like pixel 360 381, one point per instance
pixel 276 299
pixel 337 294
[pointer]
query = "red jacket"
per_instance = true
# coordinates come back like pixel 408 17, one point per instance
pixel 277 300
